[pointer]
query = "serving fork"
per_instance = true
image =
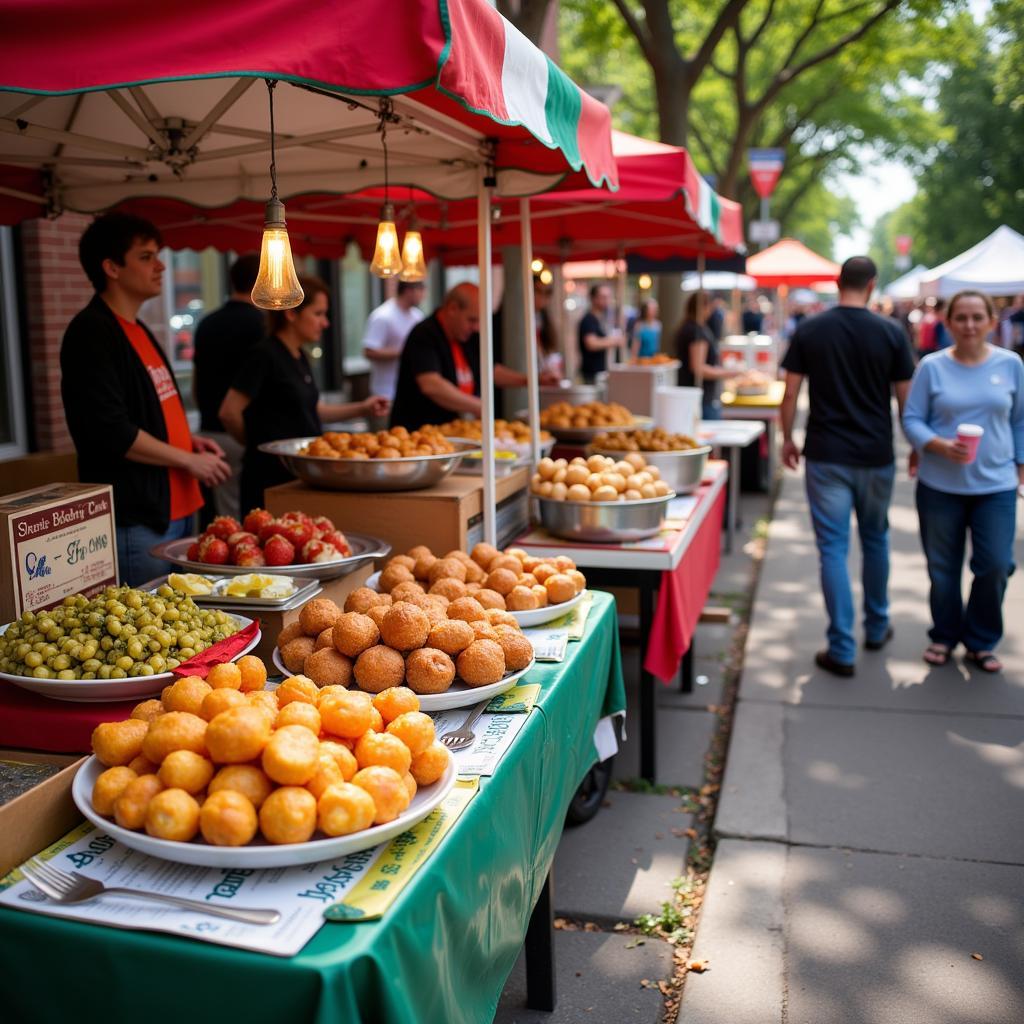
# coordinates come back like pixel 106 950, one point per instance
pixel 459 739
pixel 63 887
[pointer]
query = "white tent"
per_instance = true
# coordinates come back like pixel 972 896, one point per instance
pixel 718 281
pixel 907 286
pixel 994 266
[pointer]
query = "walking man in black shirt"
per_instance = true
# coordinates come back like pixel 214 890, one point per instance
pixel 854 360
pixel 594 337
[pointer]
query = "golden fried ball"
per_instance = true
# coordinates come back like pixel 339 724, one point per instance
pixel 410 785
pixel 317 615
pixel 376 612
pixel 177 730
pixel 148 710
pixel 329 668
pixel 142 765
pixel 217 701
pixel 295 652
pixel 291 755
pixel 419 551
pixel 173 814
pixel 560 588
pixel 521 599
pixel 392 576
pixel 421 570
pixel 543 571
pixel 484 554
pixel 290 632
pixel 579 581
pixel 130 807
pixel 563 563
pixel 474 573
pixel 414 729
pixel 362 598
pixel 297 688
pixel 343 809
pixel 378 668
pixel 187 770
pixel 468 609
pixel 265 701
pixel 254 672
pixel 488 598
pixel 407 560
pixel 246 779
pixel 428 670
pixel 355 632
pixel 405 591
pixel 226 676
pixel 385 786
pixel 540 592
pixel 347 714
pixel 228 818
pixel 117 743
pixel 288 815
pixel 342 756
pixel 398 700
pixel 447 567
pixel 428 767
pixel 186 695
pixel 327 774
pixel 238 735
pixel 109 785
pixel 383 749
pixel 481 663
pixel 509 562
pixel 405 627
pixel 452 636
pixel 449 587
pixel 517 649
pixel 483 630
pixel 501 580
pixel 325 639
pixel 299 713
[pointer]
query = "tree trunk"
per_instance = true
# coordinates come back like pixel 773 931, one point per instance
pixel 672 90
pixel 729 183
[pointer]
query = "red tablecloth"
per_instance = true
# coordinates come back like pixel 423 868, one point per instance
pixel 682 596
pixel 31 722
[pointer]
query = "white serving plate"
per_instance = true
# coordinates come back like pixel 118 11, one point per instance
pixel 259 853
pixel 85 691
pixel 458 695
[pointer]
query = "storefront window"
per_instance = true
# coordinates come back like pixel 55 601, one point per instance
pixel 12 408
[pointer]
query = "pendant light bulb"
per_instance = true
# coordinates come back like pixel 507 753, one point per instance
pixel 277 285
pixel 387 259
pixel 537 266
pixel 414 267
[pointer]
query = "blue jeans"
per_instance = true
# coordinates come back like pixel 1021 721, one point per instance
pixel 833 491
pixel 945 519
pixel 134 562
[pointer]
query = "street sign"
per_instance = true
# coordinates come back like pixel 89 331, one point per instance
pixel 901 262
pixel 764 232
pixel 765 167
pixel 903 243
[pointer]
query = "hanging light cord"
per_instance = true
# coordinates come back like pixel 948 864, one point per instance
pixel 271 83
pixel 386 113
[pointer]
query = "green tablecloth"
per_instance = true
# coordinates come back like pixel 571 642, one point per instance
pixel 440 955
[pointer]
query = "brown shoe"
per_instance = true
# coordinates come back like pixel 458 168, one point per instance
pixel 825 660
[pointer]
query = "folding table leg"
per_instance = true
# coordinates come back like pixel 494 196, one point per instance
pixel 648 734
pixel 686 669
pixel 540 951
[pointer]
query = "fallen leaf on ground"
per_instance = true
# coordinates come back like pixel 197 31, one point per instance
pixel 690 832
pixel 635 943
pixel 591 927
pixel 620 927
pixel 977 956
pixel 560 923
pixel 664 988
pixel 645 983
pixel 698 966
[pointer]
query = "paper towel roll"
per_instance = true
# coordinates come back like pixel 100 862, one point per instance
pixel 678 410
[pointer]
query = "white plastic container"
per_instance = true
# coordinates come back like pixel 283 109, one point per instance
pixel 678 410
pixel 734 352
pixel 635 387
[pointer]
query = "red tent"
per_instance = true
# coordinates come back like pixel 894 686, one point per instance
pixel 789 262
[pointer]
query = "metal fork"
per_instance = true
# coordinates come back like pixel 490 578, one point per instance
pixel 459 739
pixel 62 887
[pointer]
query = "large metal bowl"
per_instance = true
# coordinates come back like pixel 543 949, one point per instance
pixel 602 522
pixel 581 435
pixel 408 474
pixel 574 394
pixel 682 471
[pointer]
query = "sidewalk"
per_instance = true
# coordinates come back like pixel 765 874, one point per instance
pixel 871 830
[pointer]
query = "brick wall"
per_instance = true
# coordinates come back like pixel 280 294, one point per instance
pixel 55 290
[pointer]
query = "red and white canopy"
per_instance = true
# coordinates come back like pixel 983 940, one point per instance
pixel 789 262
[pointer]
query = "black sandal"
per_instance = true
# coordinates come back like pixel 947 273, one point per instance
pixel 985 660
pixel 936 654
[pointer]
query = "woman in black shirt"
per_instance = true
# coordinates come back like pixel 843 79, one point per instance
pixel 274 397
pixel 697 350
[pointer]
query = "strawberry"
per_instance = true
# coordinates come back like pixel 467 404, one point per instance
pixel 322 525
pixel 298 517
pixel 337 540
pixel 193 552
pixel 311 549
pixel 223 527
pixel 250 557
pixel 241 538
pixel 268 530
pixel 298 532
pixel 212 550
pixel 329 554
pixel 256 520
pixel 278 550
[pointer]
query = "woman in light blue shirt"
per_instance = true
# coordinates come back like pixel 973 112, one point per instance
pixel 647 331
pixel 970 382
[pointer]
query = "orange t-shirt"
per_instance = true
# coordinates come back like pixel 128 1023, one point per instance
pixel 463 371
pixel 186 497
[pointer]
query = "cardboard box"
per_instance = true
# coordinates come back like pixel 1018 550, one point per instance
pixel 446 516
pixel 31 822
pixel 57 540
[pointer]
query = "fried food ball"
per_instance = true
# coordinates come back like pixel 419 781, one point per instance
pixel 130 807
pixel 148 710
pixel 517 649
pixel 362 598
pixel 405 627
pixel 355 632
pixel 542 571
pixel 187 770
pixel 468 609
pixel 398 700
pixel 501 580
pixel 521 599
pixel 343 809
pixel 526 579
pixel 228 818
pixel 327 774
pixel 317 615
pixel 290 632
pixel 291 755
pixel 385 786
pixel 563 563
pixel 474 573
pixel 329 668
pixel 509 562
pixel 404 591
pixel 299 713
pixel 347 714
pixel 410 785
pixel 342 756
pixel 414 729
pixel 419 551
pixel 447 567
pixel 384 749
pixel 378 668
pixel 288 815
pixel 376 723
pixel 429 670
pixel 109 785
pixel 421 570
pixel 377 612
pixel 428 767
pixel 227 675
pixel 142 765
pixel 246 779
pixel 392 576
pixel 484 554
pixel 481 663
pixel 488 598
pixel 540 592
pixel 449 587
pixel 265 701
pixel 173 814
pixel 579 581
pixel 295 652
pixel 407 560
pixel 238 735
pixel 452 636
pixel 560 588
pixel 217 701
pixel 482 630
pixel 177 730
pixel 254 672
pixel 117 743
pixel 325 639
pixel 187 694
pixel 297 688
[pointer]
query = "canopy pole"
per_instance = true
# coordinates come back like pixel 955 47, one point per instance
pixel 620 355
pixel 702 302
pixel 483 215
pixel 530 320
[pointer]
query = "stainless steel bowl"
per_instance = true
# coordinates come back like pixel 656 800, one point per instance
pixel 580 435
pixel 574 394
pixel 602 522
pixel 407 474
pixel 682 471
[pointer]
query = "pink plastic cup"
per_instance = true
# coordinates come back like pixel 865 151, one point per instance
pixel 969 434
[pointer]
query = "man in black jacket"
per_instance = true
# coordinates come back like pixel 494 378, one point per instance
pixel 122 403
